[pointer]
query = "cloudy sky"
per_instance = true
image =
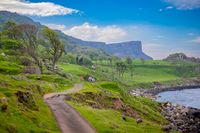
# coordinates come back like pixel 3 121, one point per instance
pixel 163 26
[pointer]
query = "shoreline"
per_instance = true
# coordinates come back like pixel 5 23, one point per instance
pixel 180 118
pixel 158 90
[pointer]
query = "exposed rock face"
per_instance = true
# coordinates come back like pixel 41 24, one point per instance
pixel 27 99
pixel 131 49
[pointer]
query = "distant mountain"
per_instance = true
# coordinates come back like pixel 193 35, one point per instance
pixel 19 19
pixel 124 49
pixel 80 47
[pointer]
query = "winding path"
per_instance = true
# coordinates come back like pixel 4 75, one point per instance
pixel 69 121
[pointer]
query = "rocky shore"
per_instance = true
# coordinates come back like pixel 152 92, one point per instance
pixel 163 88
pixel 181 118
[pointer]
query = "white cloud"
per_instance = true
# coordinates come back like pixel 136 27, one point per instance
pixel 169 7
pixel 89 32
pixel 56 26
pixel 185 4
pixel 166 8
pixel 35 9
pixel 196 40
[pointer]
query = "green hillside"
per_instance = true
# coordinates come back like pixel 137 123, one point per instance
pixel 31 67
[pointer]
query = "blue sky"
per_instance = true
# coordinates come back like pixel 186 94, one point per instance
pixel 164 26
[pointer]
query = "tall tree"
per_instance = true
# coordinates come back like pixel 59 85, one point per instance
pixel 129 62
pixel 55 47
pixel 30 41
pixel 121 68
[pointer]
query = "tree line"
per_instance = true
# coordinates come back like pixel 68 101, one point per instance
pixel 44 49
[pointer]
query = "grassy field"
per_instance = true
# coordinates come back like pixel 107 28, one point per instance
pixel 143 74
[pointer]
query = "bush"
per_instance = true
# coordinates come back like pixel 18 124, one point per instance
pixel 25 61
pixel 11 44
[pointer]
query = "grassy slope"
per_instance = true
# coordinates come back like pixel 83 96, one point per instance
pixel 22 119
pixel 109 120
pixel 18 117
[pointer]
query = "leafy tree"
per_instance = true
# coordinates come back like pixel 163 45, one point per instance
pixel 80 60
pixel 87 61
pixel 30 41
pixel 11 30
pixel 55 47
pixel 11 44
pixel 129 62
pixel 68 58
pixel 9 37
pixel 121 68
pixel 110 61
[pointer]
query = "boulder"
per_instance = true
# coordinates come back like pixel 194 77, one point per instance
pixel 139 120
pixel 166 128
pixel 4 104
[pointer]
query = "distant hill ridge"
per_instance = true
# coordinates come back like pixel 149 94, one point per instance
pixel 182 57
pixel 131 49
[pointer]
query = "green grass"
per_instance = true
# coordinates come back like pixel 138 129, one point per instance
pixel 110 121
pixel 22 119
pixel 106 119
pixel 7 67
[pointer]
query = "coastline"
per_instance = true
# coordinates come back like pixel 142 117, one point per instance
pixel 156 91
pixel 181 118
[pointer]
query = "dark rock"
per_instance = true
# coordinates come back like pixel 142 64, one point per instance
pixel 182 119
pixel 27 99
pixel 139 120
pixel 166 128
pixel 4 104
pixel 124 117
pixel 4 107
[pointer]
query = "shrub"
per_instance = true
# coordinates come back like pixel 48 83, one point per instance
pixel 11 44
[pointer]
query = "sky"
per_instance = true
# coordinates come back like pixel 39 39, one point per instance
pixel 163 26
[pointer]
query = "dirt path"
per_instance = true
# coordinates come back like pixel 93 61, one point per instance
pixel 69 121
